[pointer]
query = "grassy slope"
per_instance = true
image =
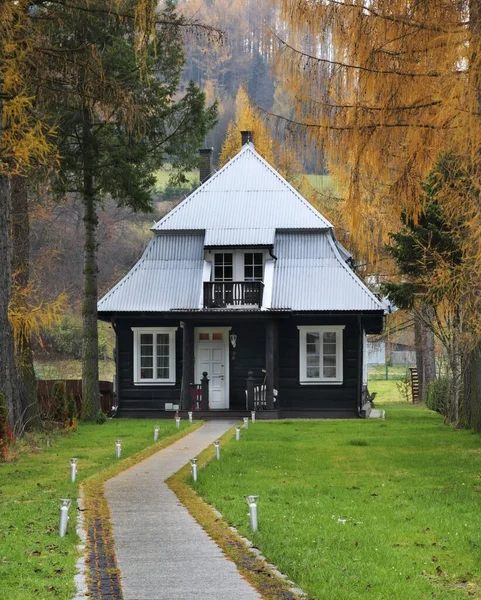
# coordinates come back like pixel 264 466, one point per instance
pixel 360 509
pixel 34 561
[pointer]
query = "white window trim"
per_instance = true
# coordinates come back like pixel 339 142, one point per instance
pixel 338 330
pixel 237 260
pixel 137 331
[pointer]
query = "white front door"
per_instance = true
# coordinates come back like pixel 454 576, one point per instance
pixel 212 356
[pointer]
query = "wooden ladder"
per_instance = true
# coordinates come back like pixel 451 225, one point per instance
pixel 414 384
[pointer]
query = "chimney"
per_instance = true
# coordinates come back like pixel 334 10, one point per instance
pixel 205 163
pixel 247 137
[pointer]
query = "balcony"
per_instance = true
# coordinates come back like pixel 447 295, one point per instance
pixel 231 294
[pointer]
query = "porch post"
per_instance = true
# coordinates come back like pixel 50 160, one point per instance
pixel 271 362
pixel 187 363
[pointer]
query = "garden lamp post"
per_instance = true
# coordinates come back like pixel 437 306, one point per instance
pixel 246 422
pixel 217 449
pixel 177 422
pixel 118 448
pixel 64 506
pixel 73 469
pixel 252 502
pixel 190 413
pixel 237 433
pixel 156 433
pixel 193 464
pixel 253 416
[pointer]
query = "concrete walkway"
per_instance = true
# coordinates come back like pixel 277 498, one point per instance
pixel 162 552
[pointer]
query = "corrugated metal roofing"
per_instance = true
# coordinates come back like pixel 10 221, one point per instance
pixel 169 274
pixel 246 194
pixel 239 237
pixel 311 275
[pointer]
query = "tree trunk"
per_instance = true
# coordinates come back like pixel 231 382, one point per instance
pixel 90 365
pixel 21 269
pixel 428 355
pixel 472 381
pixel 418 344
pixel 8 371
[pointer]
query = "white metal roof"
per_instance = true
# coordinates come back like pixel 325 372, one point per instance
pixel 246 199
pixel 311 275
pixel 168 275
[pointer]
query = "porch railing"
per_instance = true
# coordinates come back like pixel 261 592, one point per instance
pixel 199 394
pixel 220 294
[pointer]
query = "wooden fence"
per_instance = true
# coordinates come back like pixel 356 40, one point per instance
pixel 74 388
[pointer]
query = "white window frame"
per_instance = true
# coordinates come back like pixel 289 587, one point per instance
pixel 338 330
pixel 138 331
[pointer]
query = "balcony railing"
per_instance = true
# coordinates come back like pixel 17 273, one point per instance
pixel 222 294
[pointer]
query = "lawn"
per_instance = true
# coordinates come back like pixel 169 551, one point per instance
pixel 359 509
pixel 71 368
pixel 35 563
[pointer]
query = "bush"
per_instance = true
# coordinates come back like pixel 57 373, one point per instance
pixel 101 417
pixel 437 397
pixel 72 412
pixel 58 403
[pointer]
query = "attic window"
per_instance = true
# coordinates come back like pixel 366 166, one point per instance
pixel 320 354
pixel 253 266
pixel 154 355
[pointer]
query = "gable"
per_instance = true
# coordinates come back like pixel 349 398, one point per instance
pixel 243 204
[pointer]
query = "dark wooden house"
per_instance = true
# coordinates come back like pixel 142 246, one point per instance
pixel 243 276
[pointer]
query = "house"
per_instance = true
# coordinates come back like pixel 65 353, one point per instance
pixel 243 276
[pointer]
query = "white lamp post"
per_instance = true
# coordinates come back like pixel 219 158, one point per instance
pixel 118 448
pixel 252 502
pixel 64 506
pixel 193 464
pixel 73 469
pixel 237 433
pixel 246 422
pixel 156 433
pixel 217 449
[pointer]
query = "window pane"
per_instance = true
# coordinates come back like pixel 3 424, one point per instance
pixel 330 349
pixel 248 258
pixel 146 361
pixel 217 336
pixel 146 338
pixel 258 272
pixel 329 361
pixel 258 258
pixel 146 373
pixel 203 336
pixel 330 337
pixel 312 360
pixel 312 337
pixel 228 273
pixel 248 272
pixel 312 372
pixel 163 373
pixel 329 372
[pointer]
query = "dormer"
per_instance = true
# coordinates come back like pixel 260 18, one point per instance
pixel 235 277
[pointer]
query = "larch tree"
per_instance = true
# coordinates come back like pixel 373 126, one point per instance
pixel 24 142
pixel 119 118
pixel 389 87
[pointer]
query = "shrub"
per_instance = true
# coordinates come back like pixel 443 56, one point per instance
pixel 101 417
pixel 58 403
pixel 437 397
pixel 72 412
pixel 3 428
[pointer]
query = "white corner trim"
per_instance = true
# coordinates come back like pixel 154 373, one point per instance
pixel 206 275
pixel 268 284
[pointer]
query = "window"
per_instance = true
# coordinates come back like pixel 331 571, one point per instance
pixel 320 354
pixel 154 355
pixel 253 266
pixel 223 267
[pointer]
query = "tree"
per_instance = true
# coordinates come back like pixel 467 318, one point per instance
pixel 118 121
pixel 428 253
pixel 23 142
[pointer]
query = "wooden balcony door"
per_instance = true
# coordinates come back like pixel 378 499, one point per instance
pixel 212 355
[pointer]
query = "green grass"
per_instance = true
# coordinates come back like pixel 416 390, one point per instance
pixel 34 562
pixel 71 369
pixel 320 182
pixel 386 392
pixel 162 177
pixel 359 509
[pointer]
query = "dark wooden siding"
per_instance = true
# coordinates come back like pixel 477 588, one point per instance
pixel 293 395
pixel 249 355
pixel 144 397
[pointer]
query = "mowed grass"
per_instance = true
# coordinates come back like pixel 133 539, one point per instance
pixel 71 369
pixel 35 563
pixel 359 508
